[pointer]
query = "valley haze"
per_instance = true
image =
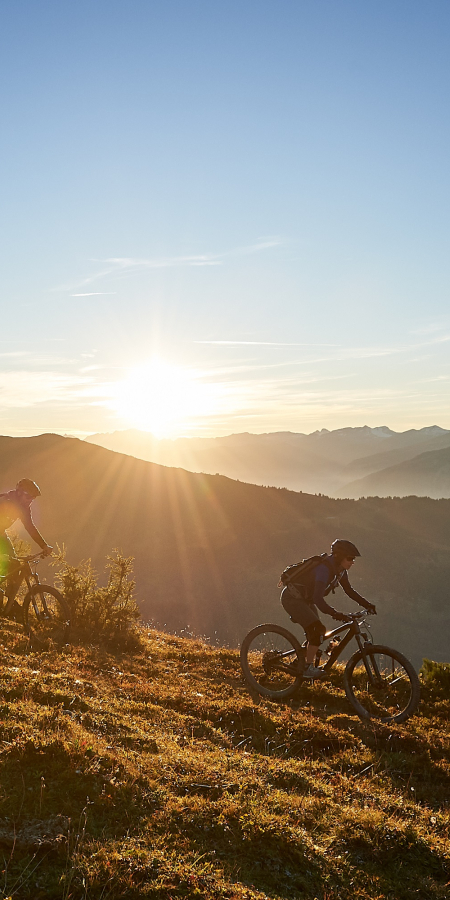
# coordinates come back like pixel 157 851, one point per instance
pixel 347 462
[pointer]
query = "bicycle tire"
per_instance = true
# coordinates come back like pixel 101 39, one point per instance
pixel 396 695
pixel 260 650
pixel 46 614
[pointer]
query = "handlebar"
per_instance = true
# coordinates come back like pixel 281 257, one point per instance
pixel 358 616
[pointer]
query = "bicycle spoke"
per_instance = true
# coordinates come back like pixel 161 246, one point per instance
pixel 389 692
pixel 270 660
pixel 46 615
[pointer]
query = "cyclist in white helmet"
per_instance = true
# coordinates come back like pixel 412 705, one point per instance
pixel 15 505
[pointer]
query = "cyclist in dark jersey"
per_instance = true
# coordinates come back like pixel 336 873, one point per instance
pixel 15 505
pixel 317 584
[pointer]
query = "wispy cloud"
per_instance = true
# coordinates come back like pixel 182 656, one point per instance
pixel 338 352
pixel 265 344
pixel 22 389
pixel 249 249
pixel 123 264
pixel 94 294
pixel 441 324
pixel 162 263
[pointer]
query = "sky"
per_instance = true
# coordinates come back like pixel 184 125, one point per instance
pixel 223 217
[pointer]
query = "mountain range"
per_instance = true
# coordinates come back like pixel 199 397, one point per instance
pixel 209 550
pixel 340 463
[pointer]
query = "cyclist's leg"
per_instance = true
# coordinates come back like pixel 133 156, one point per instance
pixel 305 614
pixel 315 633
pixel 9 566
pixel 6 552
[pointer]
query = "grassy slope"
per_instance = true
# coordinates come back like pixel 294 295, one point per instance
pixel 171 781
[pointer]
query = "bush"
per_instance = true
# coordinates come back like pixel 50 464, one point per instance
pixel 106 614
pixel 436 676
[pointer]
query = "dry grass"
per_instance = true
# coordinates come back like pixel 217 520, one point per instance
pixel 155 775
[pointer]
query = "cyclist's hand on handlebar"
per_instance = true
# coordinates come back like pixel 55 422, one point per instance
pixel 371 609
pixel 341 617
pixel 47 550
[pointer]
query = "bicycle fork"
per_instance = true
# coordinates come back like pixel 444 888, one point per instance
pixel 369 660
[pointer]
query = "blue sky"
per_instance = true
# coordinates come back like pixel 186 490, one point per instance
pixel 244 205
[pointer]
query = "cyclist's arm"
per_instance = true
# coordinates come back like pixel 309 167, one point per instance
pixel 345 584
pixel 27 521
pixel 321 579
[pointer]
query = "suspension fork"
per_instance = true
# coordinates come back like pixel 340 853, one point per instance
pixel 372 666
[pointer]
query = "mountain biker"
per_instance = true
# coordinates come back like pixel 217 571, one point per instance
pixel 15 505
pixel 313 588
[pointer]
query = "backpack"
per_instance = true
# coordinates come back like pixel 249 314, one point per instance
pixel 293 577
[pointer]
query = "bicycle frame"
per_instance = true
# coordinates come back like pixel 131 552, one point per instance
pixel 23 572
pixel 353 630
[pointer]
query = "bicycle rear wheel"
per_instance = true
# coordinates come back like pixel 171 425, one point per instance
pixel 389 690
pixel 46 614
pixel 272 661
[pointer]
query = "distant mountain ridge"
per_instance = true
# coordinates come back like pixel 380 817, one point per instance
pixel 321 462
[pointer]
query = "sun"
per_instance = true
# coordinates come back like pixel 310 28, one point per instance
pixel 163 398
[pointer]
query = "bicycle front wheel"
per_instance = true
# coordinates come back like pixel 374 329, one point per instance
pixel 46 614
pixel 272 661
pixel 382 684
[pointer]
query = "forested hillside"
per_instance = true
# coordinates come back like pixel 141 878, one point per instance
pixel 427 475
pixel 208 550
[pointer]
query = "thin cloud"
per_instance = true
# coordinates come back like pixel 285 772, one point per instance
pixel 94 294
pixel 432 327
pixel 266 244
pixel 123 264
pixel 163 263
pixel 338 353
pixel 25 389
pixel 265 344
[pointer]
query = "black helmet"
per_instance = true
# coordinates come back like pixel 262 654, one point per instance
pixel 344 549
pixel 28 487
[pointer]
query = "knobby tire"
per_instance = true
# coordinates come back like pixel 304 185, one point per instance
pixel 394 696
pixel 46 615
pixel 271 660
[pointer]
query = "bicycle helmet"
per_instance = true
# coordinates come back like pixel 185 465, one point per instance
pixel 343 549
pixel 28 487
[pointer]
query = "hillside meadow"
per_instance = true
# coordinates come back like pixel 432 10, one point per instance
pixel 155 774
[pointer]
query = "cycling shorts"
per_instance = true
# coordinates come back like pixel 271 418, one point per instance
pixel 304 614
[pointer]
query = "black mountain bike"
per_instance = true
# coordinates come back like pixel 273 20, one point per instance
pixel 41 609
pixel 380 683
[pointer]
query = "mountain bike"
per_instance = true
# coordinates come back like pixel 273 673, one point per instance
pixel 380 683
pixel 41 608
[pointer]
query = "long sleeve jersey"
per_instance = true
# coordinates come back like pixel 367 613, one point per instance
pixel 12 509
pixel 326 576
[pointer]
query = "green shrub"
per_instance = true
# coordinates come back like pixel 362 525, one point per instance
pixel 105 614
pixel 436 676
